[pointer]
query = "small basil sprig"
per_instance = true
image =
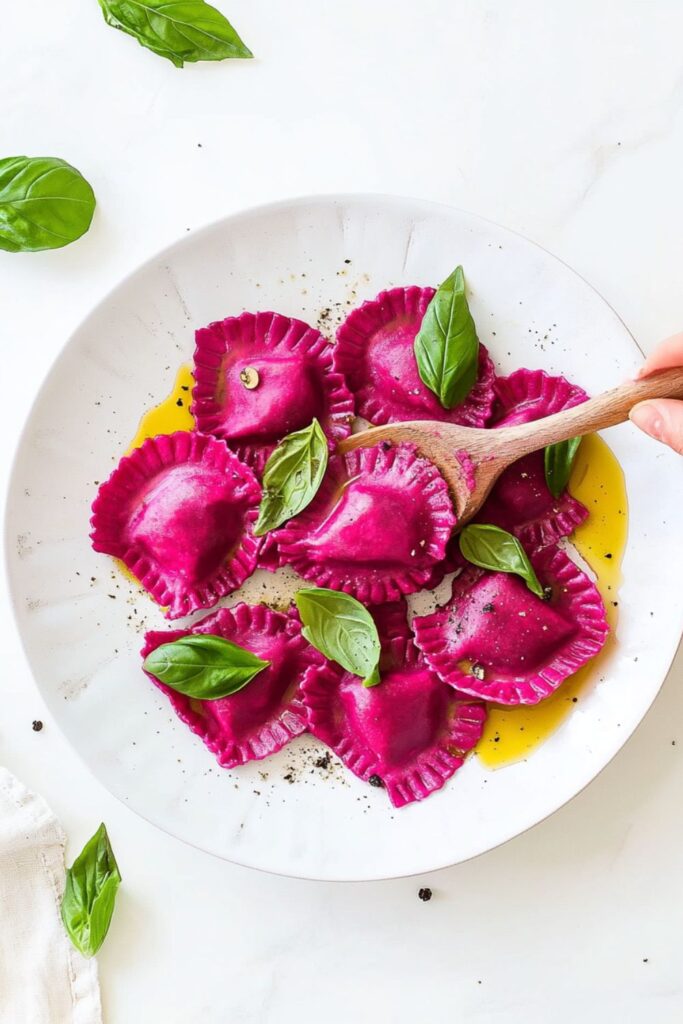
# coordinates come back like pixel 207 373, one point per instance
pixel 292 476
pixel 492 548
pixel 45 203
pixel 203 666
pixel 446 346
pixel 182 30
pixel 90 893
pixel 558 461
pixel 342 629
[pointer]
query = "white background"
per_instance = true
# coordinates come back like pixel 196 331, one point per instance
pixel 561 121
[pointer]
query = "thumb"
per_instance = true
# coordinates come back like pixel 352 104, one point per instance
pixel 661 418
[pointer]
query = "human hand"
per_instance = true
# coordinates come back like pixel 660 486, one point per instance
pixel 662 418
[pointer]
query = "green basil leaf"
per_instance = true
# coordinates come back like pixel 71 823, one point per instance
pixel 180 30
pixel 292 476
pixel 90 893
pixel 492 548
pixel 446 346
pixel 204 666
pixel 558 460
pixel 45 203
pixel 342 629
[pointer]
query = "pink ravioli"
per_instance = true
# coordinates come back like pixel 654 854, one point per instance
pixel 377 526
pixel 269 555
pixel 528 395
pixel 410 733
pixel 261 718
pixel 496 640
pixel 179 511
pixel 297 381
pixel 521 501
pixel 375 353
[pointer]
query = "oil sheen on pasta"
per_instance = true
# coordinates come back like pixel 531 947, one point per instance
pixel 510 734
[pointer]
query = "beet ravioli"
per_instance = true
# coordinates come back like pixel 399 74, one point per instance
pixel 179 513
pixel 497 640
pixel 261 718
pixel 376 528
pixel 521 501
pixel 375 352
pixel 409 734
pixel 261 376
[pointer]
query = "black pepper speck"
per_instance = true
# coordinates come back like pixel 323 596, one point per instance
pixel 424 894
pixel 36 725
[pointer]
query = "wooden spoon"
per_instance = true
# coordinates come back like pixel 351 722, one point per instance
pixel 492 451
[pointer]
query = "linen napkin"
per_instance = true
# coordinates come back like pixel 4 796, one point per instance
pixel 43 979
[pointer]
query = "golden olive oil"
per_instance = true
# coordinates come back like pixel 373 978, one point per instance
pixel 597 481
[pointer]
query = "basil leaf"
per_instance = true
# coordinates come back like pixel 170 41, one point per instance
pixel 558 461
pixel 446 346
pixel 492 548
pixel 342 629
pixel 180 30
pixel 204 666
pixel 45 203
pixel 90 893
pixel 292 476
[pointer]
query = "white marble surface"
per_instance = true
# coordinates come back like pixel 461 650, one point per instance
pixel 564 122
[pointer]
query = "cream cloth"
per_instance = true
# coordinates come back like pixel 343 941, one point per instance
pixel 43 979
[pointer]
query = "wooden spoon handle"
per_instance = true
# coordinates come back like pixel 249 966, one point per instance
pixel 605 410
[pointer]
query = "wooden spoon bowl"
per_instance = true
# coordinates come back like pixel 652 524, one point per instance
pixel 492 451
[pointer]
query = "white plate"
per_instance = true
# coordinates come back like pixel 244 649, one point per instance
pixel 83 645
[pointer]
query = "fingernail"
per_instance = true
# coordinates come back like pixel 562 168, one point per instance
pixel 647 417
